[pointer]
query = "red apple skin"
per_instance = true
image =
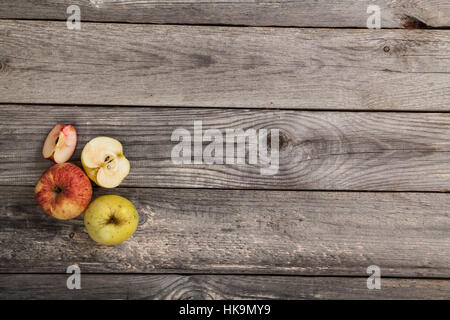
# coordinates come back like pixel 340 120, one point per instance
pixel 64 191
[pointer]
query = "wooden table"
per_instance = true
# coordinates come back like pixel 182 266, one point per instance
pixel 364 147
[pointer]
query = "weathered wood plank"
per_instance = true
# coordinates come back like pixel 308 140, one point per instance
pixel 179 287
pixel 217 231
pixel 303 13
pixel 151 65
pixel 318 150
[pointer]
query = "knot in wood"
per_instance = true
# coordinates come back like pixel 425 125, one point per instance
pixel 3 66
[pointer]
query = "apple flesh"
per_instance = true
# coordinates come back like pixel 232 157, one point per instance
pixel 60 143
pixel 64 191
pixel 111 219
pixel 103 160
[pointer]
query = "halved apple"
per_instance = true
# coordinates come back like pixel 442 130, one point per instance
pixel 60 143
pixel 103 160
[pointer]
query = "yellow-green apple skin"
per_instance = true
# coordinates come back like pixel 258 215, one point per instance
pixel 111 219
pixel 63 191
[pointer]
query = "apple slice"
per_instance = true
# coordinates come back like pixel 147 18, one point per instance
pixel 103 160
pixel 60 143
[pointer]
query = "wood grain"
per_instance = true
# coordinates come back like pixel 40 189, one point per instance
pixel 302 13
pixel 151 65
pixel 318 150
pixel 200 287
pixel 258 232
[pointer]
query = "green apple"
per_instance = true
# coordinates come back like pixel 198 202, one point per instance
pixel 111 219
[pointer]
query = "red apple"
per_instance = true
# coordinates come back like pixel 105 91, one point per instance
pixel 64 191
pixel 60 143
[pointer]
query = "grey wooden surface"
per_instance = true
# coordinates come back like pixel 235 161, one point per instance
pixel 257 232
pixel 207 66
pixel 303 13
pixel 318 150
pixel 356 186
pixel 115 286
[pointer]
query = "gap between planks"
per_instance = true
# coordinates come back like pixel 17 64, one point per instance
pixel 68 105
